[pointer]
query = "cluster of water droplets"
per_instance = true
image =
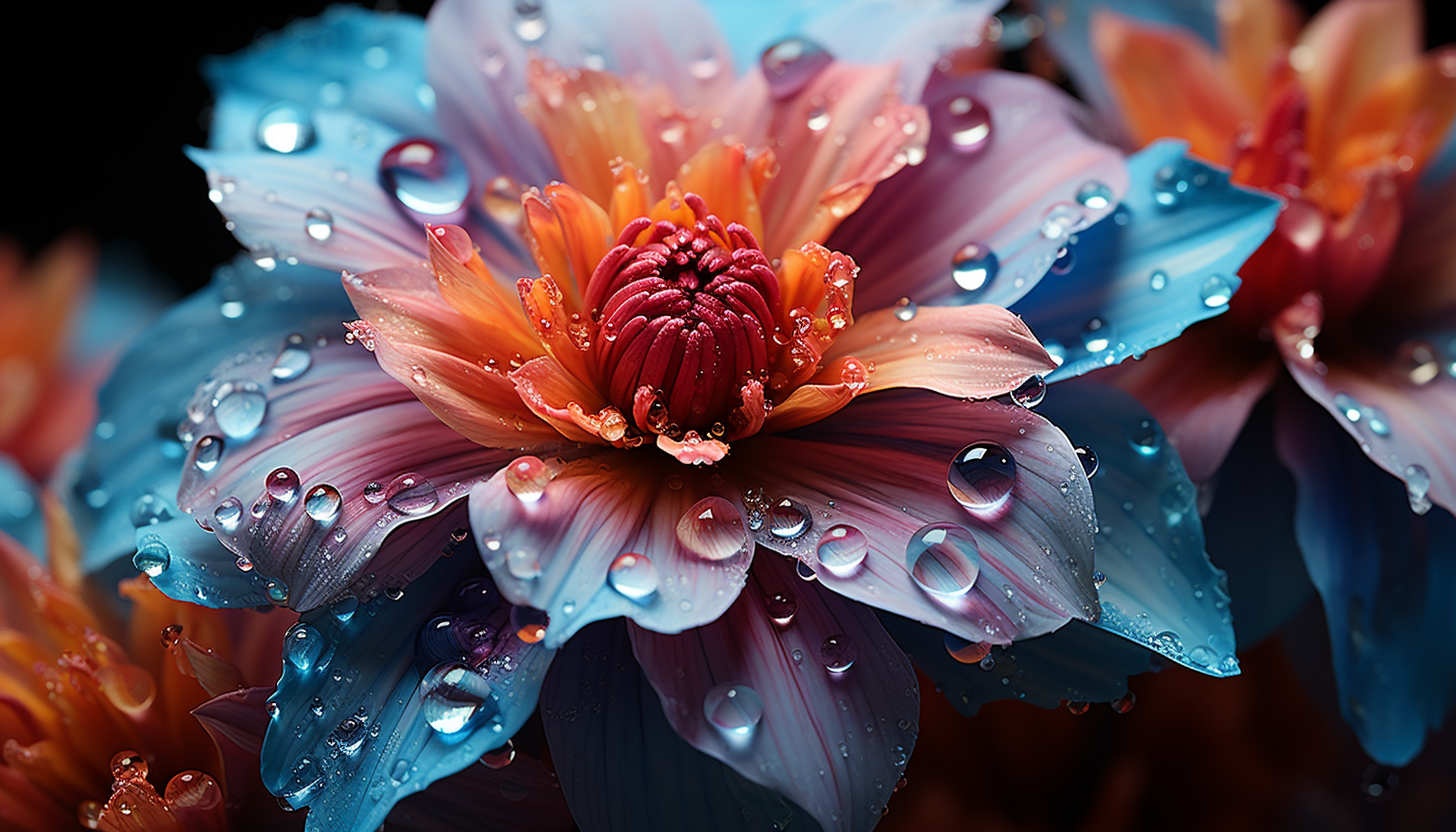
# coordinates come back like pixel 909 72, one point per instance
pixel 1375 429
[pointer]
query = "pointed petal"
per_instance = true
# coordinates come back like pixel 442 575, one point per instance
pixel 236 722
pixel 560 549
pixel 1166 259
pixel 191 564
pixel 589 119
pixel 1402 411
pixel 1255 36
pixel 127 476
pixel 1161 590
pixel 1384 574
pixel 522 797
pixel 353 734
pixel 856 724
pixel 995 192
pixel 597 705
pixel 880 468
pixel 331 462
pixel 1078 663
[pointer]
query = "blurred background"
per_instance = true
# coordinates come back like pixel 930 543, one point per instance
pixel 98 104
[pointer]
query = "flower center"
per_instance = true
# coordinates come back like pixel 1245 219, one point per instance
pixel 685 315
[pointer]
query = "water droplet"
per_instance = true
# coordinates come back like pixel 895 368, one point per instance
pixel 282 484
pixel 735 710
pixel 1420 362
pixel 1065 262
pixel 343 609
pixel 323 503
pixel 987 663
pixel 148 510
pixel 981 477
pixel 943 559
pixel 529 624
pixel 88 814
pixel 1158 280
pixel 499 757
pixel 1215 291
pixel 838 653
pixel 152 557
pixel 530 22
pixel 1168 643
pixel 228 514
pixel 1097 335
pixel 1377 421
pixel 973 267
pixel 818 119
pixel 349 735
pixel 209 451
pixel 527 478
pixel 966 652
pixel 713 529
pixel 1417 488
pixel 1171 186
pixel 427 177
pixel 781 608
pixel 1094 195
pixel 285 127
pixel 303 645
pixel 277 592
pixel 805 572
pixel 789 519
pixel 374 493
pixel 1031 392
pixel 905 309
pixel 1078 708
pixel 412 494
pixel 240 412
pixel 967 124
pixel 1088 458
pixel 1060 220
pixel 454 698
pixel 842 549
pixel 791 64
pixel 292 362
pixel 128 767
pixel 633 575
pixel 1124 703
pixel 319 224
pixel 1098 579
pixel 1145 437
pixel 1348 406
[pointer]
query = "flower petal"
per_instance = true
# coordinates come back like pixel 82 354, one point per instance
pixel 996 193
pixel 236 722
pixel 879 467
pixel 861 744
pixel 1165 260
pixel 127 477
pixel 1384 575
pixel 189 564
pixel 362 688
pixel 522 797
pixel 597 705
pixel 1161 590
pixel 560 549
pixel 1078 663
pixel 330 462
pixel 20 513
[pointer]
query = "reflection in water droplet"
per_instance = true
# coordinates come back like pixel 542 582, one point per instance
pixel 1094 195
pixel 319 224
pixel 282 484
pixel 788 519
pixel 228 514
pixel 1031 392
pixel 1098 579
pixel 966 652
pixel 781 608
pixel 527 478
pixel 1215 291
pixel 454 698
pixel 1088 458
pixel 303 645
pixel 323 503
pixel 411 494
pixel 805 572
pixel 292 362
pixel 426 177
pixel 240 412
pixel 633 575
pixel 152 557
pixel 842 549
pixel 967 124
pixel 209 451
pixel 974 266
pixel 128 767
pixel 838 653
pixel 285 127
pixel 943 559
pixel 499 757
pixel 713 529
pixel 735 710
pixel 791 64
pixel 981 477
pixel 1417 488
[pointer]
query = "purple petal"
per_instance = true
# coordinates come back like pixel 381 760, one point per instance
pixel 763 698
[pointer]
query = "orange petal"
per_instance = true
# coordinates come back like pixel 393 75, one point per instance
pixel 567 402
pixel 589 119
pixel 1255 36
pixel 467 284
pixel 816 289
pixel 721 174
pixel 630 196
pixel 1169 83
pixel 569 234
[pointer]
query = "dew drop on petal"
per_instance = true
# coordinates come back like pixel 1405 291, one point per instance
pixel 713 529
pixel 277 592
pixel 634 576
pixel 319 225
pixel 240 412
pixel 838 653
pixel 1094 195
pixel 323 503
pixel 228 514
pixel 527 477
pixel 411 494
pixel 981 477
pixel 905 309
pixel 966 652
pixel 781 608
pixel 303 645
pixel 788 519
pixel 529 23
pixel 454 698
pixel 818 119
pixel 1124 703
pixel 1215 291
pixel 209 451
pixel 1060 220
pixel 1145 437
pixel 292 362
pixel 1098 579
pixel 1097 335
pixel 1158 280
pixel 735 710
pixel 1377 421
pixel 152 557
pixel 967 124
pixel 1088 458
pixel 1417 488
pixel 285 127
pixel 943 559
pixel 791 64
pixel 425 176
pixel 282 484
pixel 973 267
pixel 842 549
pixel 1031 392
pixel 499 757
pixel 128 767
pixel 529 624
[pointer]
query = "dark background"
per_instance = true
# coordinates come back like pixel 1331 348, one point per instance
pixel 99 101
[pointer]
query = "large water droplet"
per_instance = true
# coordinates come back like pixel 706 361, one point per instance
pixel 981 477
pixel 228 514
pixel 842 549
pixel 712 529
pixel 427 177
pixel 1215 291
pixel 1060 220
pixel 292 361
pixel 529 22
pixel 128 767
pixel 838 653
pixel 319 224
pixel 240 412
pixel 323 503
pixel 527 478
pixel 1088 458
pixel 282 484
pixel 1145 437
pixel 944 560
pixel 791 64
pixel 152 557
pixel 973 267
pixel 1094 195
pixel 454 698
pixel 788 519
pixel 967 124
pixel 1031 392
pixel 412 494
pixel 209 451
pixel 303 645
pixel 781 608
pixel 285 127
pixel 633 575
pixel 1417 488
pixel 966 652
pixel 735 710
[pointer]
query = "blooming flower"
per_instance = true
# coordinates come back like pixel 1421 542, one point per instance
pixel 694 395
pixel 1345 307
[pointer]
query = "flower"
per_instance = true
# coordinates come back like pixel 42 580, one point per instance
pixel 95 712
pixel 682 418
pixel 1345 308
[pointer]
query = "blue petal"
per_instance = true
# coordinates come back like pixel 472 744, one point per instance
pixel 369 62
pixel 1068 32
pixel 363 684
pixel 189 564
pixel 598 706
pixel 1161 590
pixel 1384 574
pixel 128 474
pixel 20 512
pixel 1164 260
pixel 1078 663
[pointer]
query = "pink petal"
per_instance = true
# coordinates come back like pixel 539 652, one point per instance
pixel 879 468
pixel 1403 412
pixel 856 726
pixel 552 549
pixel 342 425
pixel 995 195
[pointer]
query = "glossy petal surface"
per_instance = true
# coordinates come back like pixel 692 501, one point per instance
pixel 857 724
